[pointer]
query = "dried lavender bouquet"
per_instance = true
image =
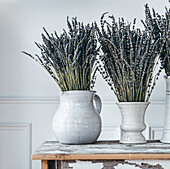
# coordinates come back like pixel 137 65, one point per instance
pixel 129 59
pixel 160 28
pixel 70 58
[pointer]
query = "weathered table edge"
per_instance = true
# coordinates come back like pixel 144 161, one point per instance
pixel 100 156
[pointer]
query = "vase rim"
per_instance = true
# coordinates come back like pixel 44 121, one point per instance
pixel 128 103
pixel 77 91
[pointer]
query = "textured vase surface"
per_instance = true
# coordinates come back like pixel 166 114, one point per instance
pixel 77 120
pixel 166 131
pixel 133 124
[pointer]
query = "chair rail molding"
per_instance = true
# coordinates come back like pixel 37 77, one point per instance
pixel 56 100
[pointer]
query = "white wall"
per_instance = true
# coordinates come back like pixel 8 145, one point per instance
pixel 29 96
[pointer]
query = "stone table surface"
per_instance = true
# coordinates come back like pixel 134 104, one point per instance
pixel 106 149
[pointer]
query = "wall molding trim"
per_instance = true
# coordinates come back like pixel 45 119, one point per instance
pixel 26 127
pixel 56 100
pixel 29 100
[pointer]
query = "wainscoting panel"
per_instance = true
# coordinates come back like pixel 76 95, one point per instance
pixel 155 132
pixel 110 132
pixel 15 146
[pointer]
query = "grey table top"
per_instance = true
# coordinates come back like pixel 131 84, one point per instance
pixel 102 147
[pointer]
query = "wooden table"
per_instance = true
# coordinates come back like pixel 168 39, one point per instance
pixel 103 155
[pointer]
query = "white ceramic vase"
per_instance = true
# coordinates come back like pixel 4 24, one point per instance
pixel 77 120
pixel 133 114
pixel 166 132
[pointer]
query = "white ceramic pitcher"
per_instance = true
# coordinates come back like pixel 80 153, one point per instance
pixel 77 120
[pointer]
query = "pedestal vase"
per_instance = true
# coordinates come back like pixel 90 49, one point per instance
pixel 166 131
pixel 133 124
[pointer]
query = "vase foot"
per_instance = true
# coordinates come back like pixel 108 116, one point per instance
pixel 132 138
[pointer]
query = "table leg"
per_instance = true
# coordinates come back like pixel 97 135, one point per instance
pixel 59 164
pixel 44 164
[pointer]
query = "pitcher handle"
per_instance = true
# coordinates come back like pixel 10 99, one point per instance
pixel 98 103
